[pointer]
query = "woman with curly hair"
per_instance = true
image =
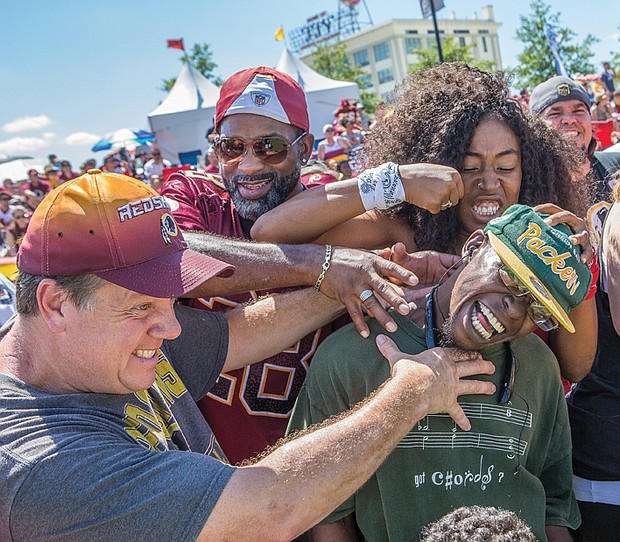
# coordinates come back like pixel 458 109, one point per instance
pixel 438 115
pixel 467 151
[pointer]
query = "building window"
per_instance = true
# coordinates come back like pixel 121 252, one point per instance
pixel 365 81
pixel 385 76
pixel 361 58
pixel 462 41
pixel 484 31
pixel 411 31
pixel 431 42
pixel 484 44
pixel 412 45
pixel 386 96
pixel 382 51
pixel 433 31
pixel 461 31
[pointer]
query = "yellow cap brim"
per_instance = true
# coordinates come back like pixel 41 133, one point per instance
pixel 531 281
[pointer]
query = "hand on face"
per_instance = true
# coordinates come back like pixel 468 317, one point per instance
pixel 438 377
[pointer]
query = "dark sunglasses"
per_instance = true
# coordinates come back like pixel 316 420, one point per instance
pixel 270 149
pixel 5 198
pixel 539 314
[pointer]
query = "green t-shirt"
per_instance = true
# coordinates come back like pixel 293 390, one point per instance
pixel 516 456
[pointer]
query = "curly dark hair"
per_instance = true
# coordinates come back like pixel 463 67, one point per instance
pixel 478 524
pixel 435 114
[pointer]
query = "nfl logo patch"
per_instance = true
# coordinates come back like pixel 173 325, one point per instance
pixel 563 90
pixel 260 99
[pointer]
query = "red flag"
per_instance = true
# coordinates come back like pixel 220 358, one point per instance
pixel 176 44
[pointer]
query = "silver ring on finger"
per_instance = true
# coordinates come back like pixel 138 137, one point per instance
pixel 365 295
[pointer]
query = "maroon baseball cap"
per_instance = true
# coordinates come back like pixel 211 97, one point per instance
pixel 266 92
pixel 119 229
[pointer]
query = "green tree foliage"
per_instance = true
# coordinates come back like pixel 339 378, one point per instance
pixel 452 52
pixel 536 62
pixel 332 61
pixel 201 58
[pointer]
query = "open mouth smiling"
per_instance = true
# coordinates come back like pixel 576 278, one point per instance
pixel 485 323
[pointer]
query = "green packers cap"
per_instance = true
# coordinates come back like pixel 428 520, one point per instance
pixel 543 258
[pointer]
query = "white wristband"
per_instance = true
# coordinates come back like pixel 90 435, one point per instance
pixel 381 187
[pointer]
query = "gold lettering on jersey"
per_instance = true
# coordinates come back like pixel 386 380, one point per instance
pixel 550 256
pixel 168 380
pixel 141 207
pixel 153 424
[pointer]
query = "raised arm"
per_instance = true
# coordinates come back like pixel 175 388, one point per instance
pixel 298 484
pixel 574 351
pixel 336 213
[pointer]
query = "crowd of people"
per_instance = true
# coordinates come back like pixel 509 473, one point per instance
pixel 410 324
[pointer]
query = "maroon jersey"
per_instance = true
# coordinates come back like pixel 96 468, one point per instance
pixel 248 409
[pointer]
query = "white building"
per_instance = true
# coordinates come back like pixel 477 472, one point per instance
pixel 387 50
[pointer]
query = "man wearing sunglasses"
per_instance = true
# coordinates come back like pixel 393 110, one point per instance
pixel 262 121
pixel 520 273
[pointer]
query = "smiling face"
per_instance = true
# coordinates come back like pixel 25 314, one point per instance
pixel 113 348
pixel 483 310
pixel 491 175
pixel 255 186
pixel 572 119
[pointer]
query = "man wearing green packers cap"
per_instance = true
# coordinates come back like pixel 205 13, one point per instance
pixel 520 273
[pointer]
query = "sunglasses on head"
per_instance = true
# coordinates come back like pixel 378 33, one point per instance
pixel 270 149
pixel 538 313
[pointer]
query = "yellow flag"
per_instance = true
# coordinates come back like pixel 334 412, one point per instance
pixel 280 34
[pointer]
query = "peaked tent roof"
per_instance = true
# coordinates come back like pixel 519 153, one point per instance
pixel 191 91
pixel 309 79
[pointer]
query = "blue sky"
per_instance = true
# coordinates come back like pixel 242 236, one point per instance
pixel 73 70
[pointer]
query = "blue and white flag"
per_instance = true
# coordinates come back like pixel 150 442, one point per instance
pixel 554 38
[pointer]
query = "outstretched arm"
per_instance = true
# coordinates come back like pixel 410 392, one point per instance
pixel 315 468
pixel 574 351
pixel 335 211
pixel 261 266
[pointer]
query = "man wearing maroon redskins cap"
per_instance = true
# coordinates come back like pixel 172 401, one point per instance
pixel 248 409
pixel 262 121
pixel 100 436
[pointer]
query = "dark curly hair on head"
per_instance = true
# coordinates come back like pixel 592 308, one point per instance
pixel 436 113
pixel 478 524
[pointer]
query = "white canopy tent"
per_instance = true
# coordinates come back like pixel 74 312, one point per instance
pixel 323 94
pixel 181 121
pixel 16 167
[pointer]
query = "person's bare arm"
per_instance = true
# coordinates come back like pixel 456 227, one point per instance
pixel 270 325
pixel 343 530
pixel 262 266
pixel 322 209
pixel 315 468
pixel 557 533
pixel 575 351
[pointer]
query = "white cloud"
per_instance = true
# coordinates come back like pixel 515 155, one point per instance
pixel 23 124
pixel 81 138
pixel 22 145
pixel 49 135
